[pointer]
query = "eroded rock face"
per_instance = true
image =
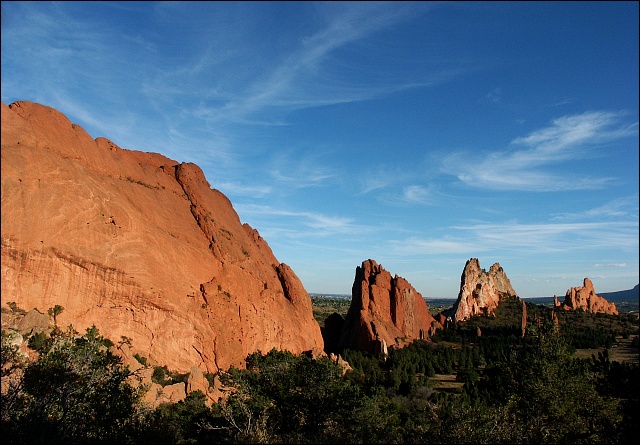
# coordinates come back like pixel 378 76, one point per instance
pixel 141 247
pixel 480 291
pixel 585 298
pixel 385 311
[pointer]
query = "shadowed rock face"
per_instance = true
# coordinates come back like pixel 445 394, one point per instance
pixel 585 298
pixel 385 311
pixel 480 291
pixel 140 246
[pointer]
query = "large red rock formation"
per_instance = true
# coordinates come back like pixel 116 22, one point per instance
pixel 385 311
pixel 480 291
pixel 585 298
pixel 142 247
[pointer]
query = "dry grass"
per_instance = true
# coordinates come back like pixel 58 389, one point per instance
pixel 446 382
pixel 621 352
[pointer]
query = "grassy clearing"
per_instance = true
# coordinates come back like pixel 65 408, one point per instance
pixel 621 351
pixel 446 382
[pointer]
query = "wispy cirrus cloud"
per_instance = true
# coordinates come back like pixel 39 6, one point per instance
pixel 410 195
pixel 417 194
pixel 306 224
pixel 530 168
pixel 624 207
pixel 433 246
pixel 555 237
pixel 570 133
pixel 611 265
pixel 236 189
pixel 296 170
pixel 305 74
pixel 532 238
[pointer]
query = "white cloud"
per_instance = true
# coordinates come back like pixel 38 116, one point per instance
pixel 569 137
pixel 616 208
pixel 305 224
pixel 433 246
pixel 529 238
pixel 575 131
pixel 610 265
pixel 299 170
pixel 555 237
pixel 232 188
pixel 417 194
pixel 373 182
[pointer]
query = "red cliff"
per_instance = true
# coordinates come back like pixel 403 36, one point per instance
pixel 141 246
pixel 385 311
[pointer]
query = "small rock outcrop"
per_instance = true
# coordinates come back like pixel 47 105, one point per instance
pixel 585 298
pixel 523 323
pixel 385 311
pixel 480 291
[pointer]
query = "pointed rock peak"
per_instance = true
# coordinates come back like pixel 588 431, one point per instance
pixel 480 291
pixel 385 311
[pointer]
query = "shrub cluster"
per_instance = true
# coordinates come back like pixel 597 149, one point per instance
pixel 512 389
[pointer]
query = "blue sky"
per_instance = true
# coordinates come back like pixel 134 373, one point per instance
pixel 416 134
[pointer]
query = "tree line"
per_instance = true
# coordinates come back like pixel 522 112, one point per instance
pixel 514 389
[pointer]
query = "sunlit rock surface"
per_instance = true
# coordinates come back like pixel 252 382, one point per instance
pixel 385 311
pixel 480 291
pixel 141 247
pixel 585 298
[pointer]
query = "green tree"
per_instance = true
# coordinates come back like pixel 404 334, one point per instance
pixel 13 364
pixel 54 312
pixel 556 400
pixel 76 392
pixel 187 421
pixel 282 397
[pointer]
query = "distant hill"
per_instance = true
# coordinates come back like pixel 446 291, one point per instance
pixel 623 295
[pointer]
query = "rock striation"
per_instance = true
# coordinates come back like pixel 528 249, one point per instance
pixel 585 298
pixel 385 311
pixel 140 246
pixel 480 291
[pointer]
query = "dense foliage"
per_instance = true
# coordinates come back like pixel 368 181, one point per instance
pixel 75 392
pixel 508 389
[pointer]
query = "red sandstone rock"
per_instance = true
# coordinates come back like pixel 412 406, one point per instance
pixel 142 247
pixel 554 320
pixel 585 298
pixel 385 311
pixel 523 323
pixel 480 291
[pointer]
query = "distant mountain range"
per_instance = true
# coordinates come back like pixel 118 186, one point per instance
pixel 629 295
pixel 623 295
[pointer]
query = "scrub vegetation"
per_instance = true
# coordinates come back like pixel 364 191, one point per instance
pixel 499 387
